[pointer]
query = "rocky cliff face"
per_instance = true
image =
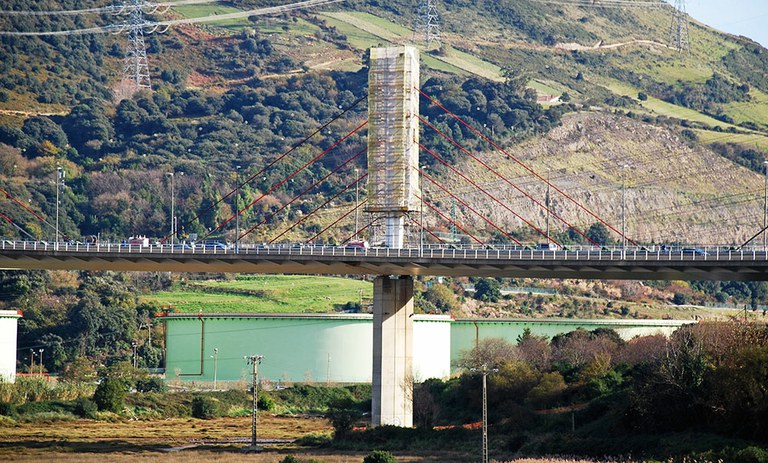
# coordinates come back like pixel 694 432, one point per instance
pixel 674 191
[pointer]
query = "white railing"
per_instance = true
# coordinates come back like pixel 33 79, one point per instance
pixel 431 252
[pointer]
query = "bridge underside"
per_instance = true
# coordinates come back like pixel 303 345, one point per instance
pixel 367 264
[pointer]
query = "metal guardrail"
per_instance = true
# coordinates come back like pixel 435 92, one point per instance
pixel 578 253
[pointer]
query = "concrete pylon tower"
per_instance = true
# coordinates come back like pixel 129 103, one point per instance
pixel 393 186
pixel 393 138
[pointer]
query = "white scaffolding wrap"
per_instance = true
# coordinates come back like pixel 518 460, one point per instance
pixel 393 130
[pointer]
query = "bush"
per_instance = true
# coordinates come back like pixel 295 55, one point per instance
pixel 265 403
pixel 151 385
pixel 110 395
pixel 85 408
pixel 205 408
pixel 7 409
pixel 380 456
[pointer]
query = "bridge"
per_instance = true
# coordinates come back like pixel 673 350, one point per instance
pixel 575 262
pixel 395 195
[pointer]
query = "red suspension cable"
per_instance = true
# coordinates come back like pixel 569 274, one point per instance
pixel 16 200
pixel 281 182
pixel 498 174
pixel 272 163
pixel 337 221
pixel 486 192
pixel 270 216
pixel 488 221
pixel 425 228
pixel 318 208
pixel 449 220
pixel 522 164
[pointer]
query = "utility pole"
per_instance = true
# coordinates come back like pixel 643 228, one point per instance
pixel 215 357
pixel 485 371
pixel 134 345
pixel 254 360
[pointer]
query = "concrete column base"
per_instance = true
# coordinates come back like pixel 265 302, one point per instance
pixel 392 351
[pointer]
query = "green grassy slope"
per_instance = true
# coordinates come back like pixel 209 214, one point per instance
pixel 265 294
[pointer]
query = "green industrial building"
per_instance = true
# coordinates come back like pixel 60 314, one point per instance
pixel 338 348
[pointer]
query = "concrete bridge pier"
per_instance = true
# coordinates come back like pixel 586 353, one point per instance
pixel 392 351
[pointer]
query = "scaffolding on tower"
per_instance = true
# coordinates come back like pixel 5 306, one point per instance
pixel 393 137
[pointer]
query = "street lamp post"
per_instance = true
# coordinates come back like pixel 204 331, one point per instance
pixel 215 358
pixel 59 179
pixel 173 207
pixel 237 210
pixel 765 206
pixel 254 360
pixel 623 209
pixel 40 359
pixel 421 212
pixel 31 361
pixel 485 371
pixel 357 203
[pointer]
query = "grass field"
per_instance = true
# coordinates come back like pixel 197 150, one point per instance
pixel 265 294
pixel 199 11
pixel 191 440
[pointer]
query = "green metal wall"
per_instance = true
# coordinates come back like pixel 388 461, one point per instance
pixel 339 348
pixel 466 333
pixel 295 348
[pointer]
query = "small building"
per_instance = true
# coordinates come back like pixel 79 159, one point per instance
pixel 9 321
pixel 338 348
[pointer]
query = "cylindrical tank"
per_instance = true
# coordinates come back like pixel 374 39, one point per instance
pixel 9 320
pixel 310 348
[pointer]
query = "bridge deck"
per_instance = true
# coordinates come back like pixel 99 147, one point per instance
pixel 714 263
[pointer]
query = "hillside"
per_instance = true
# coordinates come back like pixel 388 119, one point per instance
pixel 688 127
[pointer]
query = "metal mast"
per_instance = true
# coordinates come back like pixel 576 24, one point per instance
pixel 428 22
pixel 136 68
pixel 679 38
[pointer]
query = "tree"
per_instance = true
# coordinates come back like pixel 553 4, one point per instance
pixel 110 394
pixel 442 297
pixel 487 290
pixel 599 234
pixel 491 352
pixel 380 456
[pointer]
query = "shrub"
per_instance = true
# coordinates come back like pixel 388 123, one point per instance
pixel 85 408
pixel 379 456
pixel 205 408
pixel 110 395
pixel 7 409
pixel 151 385
pixel 265 402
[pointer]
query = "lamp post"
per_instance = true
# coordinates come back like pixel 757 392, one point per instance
pixel 40 359
pixel 765 206
pixel 31 361
pixel 173 207
pixel 485 371
pixel 254 360
pixel 357 202
pixel 134 345
pixel 623 209
pixel 421 212
pixel 237 212
pixel 215 358
pixel 59 179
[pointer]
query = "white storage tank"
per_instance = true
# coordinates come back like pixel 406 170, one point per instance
pixel 9 320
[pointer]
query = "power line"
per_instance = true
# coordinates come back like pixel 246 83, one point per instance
pixel 112 29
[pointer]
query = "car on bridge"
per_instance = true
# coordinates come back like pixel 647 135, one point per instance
pixel 694 251
pixel 357 244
